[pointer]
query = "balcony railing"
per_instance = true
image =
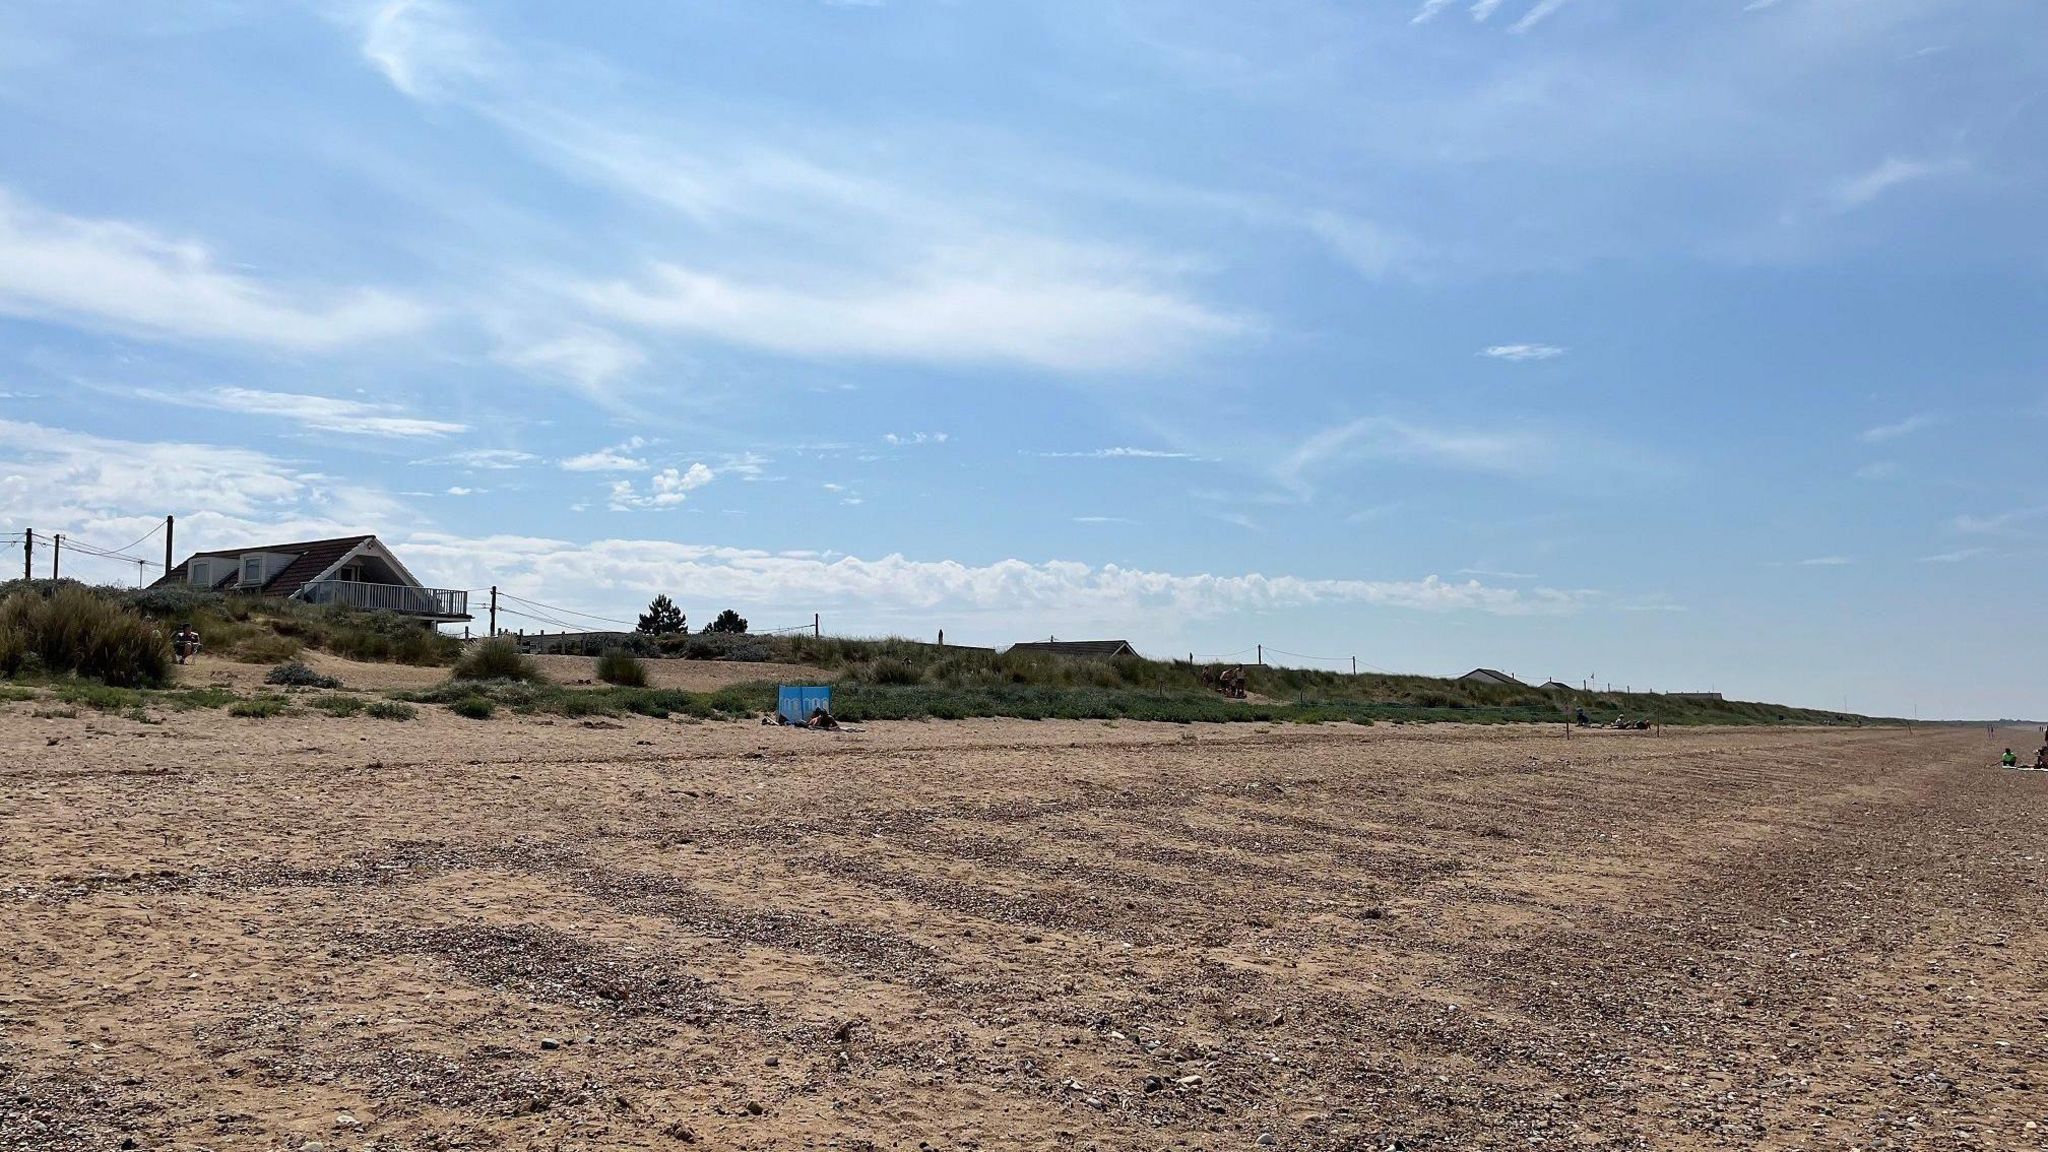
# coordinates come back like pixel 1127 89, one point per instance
pixel 441 603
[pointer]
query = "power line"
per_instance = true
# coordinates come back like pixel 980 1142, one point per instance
pixel 139 539
pixel 564 625
pixel 504 595
pixel 1303 656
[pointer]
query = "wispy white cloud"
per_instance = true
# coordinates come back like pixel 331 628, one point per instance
pixel 1117 453
pixel 1384 438
pixel 1103 520
pixel 1998 524
pixel 590 358
pixel 1522 352
pixel 316 413
pixel 665 489
pixel 423 47
pixel 1542 11
pixel 901 271
pixel 1861 188
pixel 116 275
pixel 955 311
pixel 616 458
pixel 483 459
pixel 1482 10
pixel 905 439
pixel 1824 562
pixel 107 490
pixel 1372 249
pixel 1495 574
pixel 1895 430
pixel 1430 10
pixel 1956 557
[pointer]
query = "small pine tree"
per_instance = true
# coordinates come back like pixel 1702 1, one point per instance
pixel 729 621
pixel 663 618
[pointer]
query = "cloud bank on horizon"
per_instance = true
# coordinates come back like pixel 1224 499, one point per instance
pixel 921 314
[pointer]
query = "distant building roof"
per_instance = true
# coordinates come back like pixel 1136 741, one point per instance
pixel 310 559
pixel 1491 676
pixel 1091 649
pixel 1548 685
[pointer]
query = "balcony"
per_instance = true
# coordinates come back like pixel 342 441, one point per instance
pixel 437 604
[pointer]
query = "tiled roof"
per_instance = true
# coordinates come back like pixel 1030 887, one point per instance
pixel 312 558
pixel 1092 648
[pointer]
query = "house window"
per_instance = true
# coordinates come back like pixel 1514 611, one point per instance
pixel 252 571
pixel 199 572
pixel 352 573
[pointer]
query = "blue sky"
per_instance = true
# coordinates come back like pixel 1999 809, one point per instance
pixel 1689 345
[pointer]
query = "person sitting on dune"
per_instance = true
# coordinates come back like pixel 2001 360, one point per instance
pixel 2009 760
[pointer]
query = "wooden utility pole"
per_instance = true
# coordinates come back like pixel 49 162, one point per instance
pixel 818 628
pixel 56 557
pixel 494 610
pixel 28 555
pixel 1262 655
pixel 1354 665
pixel 170 530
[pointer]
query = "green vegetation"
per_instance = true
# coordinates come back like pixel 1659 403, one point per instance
pixel 892 677
pixel 258 708
pixel 336 704
pixel 904 680
pixel 662 618
pixel 618 666
pixel 496 660
pixel 297 675
pixel 474 707
pixel 10 694
pixel 118 639
pixel 260 630
pixel 72 630
pixel 106 698
pixel 740 700
pixel 389 710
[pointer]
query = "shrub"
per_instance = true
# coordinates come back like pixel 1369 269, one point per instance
pixel 268 648
pixel 297 675
pixel 76 630
pixel 618 666
pixel 390 710
pixel 496 660
pixel 336 705
pixel 892 672
pixel 260 708
pixel 474 707
pixel 729 622
pixel 101 697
